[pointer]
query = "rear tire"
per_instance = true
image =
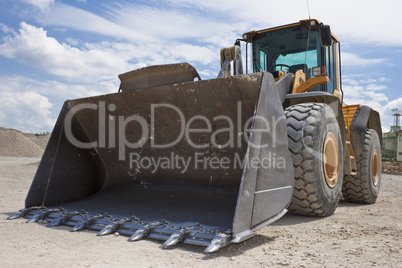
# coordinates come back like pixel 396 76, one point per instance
pixel 316 149
pixel 365 186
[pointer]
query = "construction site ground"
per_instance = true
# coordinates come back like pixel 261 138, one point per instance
pixel 355 236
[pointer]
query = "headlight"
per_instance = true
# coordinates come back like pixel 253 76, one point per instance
pixel 319 71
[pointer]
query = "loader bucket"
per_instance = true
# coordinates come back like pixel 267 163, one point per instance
pixel 201 162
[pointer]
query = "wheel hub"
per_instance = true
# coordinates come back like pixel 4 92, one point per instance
pixel 375 167
pixel 331 160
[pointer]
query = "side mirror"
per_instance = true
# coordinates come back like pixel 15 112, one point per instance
pixel 326 39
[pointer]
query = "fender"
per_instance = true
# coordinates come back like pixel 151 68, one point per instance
pixel 364 118
pixel 319 97
pixel 333 102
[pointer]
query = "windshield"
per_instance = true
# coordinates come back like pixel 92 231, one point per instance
pixel 290 49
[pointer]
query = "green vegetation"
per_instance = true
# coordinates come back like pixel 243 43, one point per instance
pixel 42 134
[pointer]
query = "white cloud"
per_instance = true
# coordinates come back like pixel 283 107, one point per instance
pixel 387 118
pixel 169 22
pixel 395 104
pixel 374 87
pixel 365 21
pixel 31 105
pixel 73 41
pixel 5 29
pixel 33 47
pixel 26 111
pixel 351 59
pixel 354 87
pixel 78 19
pixel 373 94
pixel 216 20
pixel 56 90
pixel 96 61
pixel 176 30
pixel 43 5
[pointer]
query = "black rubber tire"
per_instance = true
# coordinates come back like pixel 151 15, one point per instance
pixel 307 126
pixel 360 188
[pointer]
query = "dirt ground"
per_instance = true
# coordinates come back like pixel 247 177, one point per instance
pixel 355 236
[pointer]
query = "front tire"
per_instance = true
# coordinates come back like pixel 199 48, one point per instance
pixel 365 185
pixel 316 148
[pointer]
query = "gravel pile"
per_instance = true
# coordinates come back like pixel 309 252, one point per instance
pixel 15 143
pixel 394 168
pixel 41 141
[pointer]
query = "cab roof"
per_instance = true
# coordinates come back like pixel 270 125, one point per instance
pixel 310 22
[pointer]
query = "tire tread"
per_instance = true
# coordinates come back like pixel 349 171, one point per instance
pixel 302 119
pixel 356 188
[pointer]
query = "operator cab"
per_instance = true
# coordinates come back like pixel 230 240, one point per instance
pixel 308 46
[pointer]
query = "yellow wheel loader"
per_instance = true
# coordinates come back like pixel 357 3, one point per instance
pixel 208 162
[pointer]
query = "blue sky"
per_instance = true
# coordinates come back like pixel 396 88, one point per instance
pixel 53 50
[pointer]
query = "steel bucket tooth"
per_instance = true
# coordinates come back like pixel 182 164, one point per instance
pixel 219 241
pixel 34 215
pixel 55 222
pixel 42 214
pixel 21 213
pixel 78 227
pixel 81 225
pixel 200 238
pixel 112 228
pixel 178 236
pixel 144 231
pixel 162 233
pixel 139 234
pixel 62 219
